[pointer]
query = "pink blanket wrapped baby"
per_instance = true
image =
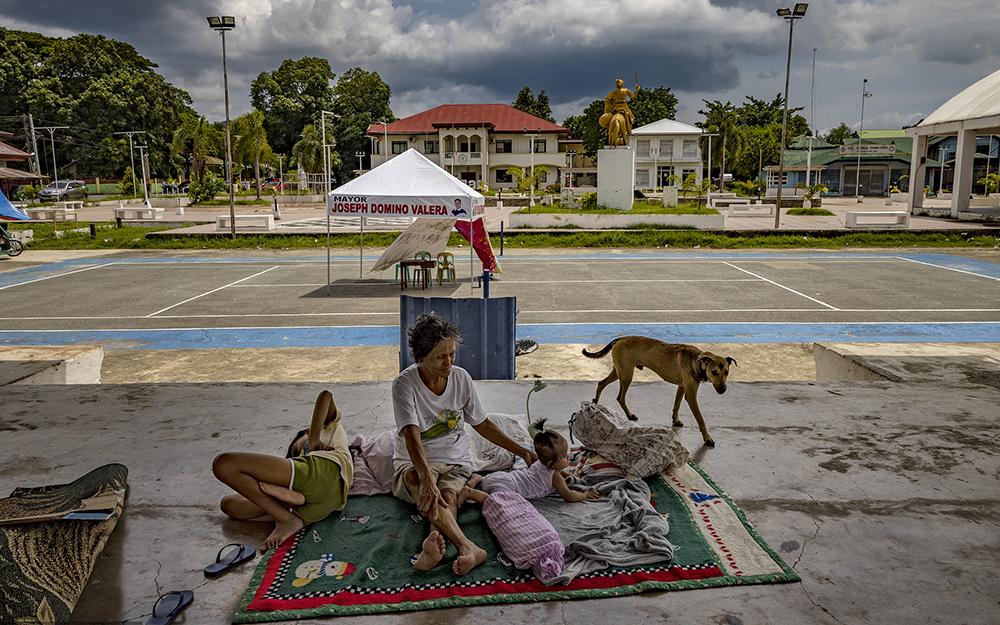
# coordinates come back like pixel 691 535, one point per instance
pixel 527 538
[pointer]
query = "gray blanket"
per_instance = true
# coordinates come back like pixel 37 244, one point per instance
pixel 620 529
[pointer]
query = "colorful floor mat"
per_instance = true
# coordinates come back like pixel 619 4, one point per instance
pixel 44 566
pixel 357 561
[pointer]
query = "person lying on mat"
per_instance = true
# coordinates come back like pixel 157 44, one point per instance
pixel 535 482
pixel 291 492
pixel 431 401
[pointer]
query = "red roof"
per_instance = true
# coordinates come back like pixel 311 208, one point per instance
pixel 9 152
pixel 497 117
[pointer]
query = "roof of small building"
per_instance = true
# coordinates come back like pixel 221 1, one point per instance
pixel 496 117
pixel 883 134
pixel 981 99
pixel 10 153
pixel 801 142
pixel 667 127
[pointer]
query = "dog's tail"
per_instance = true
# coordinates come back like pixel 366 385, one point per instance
pixel 604 351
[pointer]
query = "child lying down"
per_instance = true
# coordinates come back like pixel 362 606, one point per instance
pixel 525 536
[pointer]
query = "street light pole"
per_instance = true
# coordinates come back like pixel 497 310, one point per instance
pixel 131 153
pixel 812 113
pixel 52 140
pixel 360 156
pixel 944 157
pixel 571 154
pixel 789 15
pixel 709 135
pixel 223 24
pixel 531 138
pixel 656 169
pixel 857 174
pixel 144 164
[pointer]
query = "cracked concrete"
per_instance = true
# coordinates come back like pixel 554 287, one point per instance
pixel 902 530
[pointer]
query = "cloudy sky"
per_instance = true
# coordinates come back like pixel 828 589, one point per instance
pixel 915 53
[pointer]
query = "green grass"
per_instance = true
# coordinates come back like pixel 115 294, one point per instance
pixel 133 237
pixel 639 207
pixel 809 211
pixel 237 202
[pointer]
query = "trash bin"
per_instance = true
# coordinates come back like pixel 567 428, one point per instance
pixel 487 326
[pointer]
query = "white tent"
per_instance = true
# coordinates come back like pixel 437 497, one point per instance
pixel 408 185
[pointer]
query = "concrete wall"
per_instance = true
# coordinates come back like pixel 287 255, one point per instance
pixel 557 220
pixel 833 366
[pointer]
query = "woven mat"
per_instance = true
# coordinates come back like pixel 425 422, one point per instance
pixel 356 562
pixel 45 566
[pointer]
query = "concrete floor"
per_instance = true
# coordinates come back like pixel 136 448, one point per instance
pixel 883 496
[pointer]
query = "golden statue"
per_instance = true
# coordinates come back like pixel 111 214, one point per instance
pixel 618 116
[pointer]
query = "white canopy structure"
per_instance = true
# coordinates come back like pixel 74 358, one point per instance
pixel 408 185
pixel 974 111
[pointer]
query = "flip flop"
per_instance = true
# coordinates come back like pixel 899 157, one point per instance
pixel 230 556
pixel 168 606
pixel 525 346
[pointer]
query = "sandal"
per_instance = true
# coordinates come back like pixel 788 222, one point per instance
pixel 230 556
pixel 168 606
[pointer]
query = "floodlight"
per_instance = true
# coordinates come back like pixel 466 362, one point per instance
pixel 786 12
pixel 228 21
pixel 215 21
pixel 800 9
pixel 224 22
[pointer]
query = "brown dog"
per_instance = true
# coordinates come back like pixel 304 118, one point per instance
pixel 683 365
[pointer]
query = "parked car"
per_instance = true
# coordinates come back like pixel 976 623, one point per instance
pixel 63 190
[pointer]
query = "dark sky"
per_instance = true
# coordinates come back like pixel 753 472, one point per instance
pixel 915 53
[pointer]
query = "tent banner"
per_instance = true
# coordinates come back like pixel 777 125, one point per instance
pixel 9 212
pixel 480 240
pixel 435 207
pixel 424 235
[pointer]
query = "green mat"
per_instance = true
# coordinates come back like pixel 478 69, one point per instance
pixel 357 561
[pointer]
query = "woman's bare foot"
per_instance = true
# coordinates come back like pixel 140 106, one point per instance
pixel 282 530
pixel 282 494
pixel 433 550
pixel 474 480
pixel 463 495
pixel 468 560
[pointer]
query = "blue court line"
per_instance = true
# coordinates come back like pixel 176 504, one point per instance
pixel 587 333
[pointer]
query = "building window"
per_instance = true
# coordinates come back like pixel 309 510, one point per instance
pixel 663 173
pixel 504 176
pixel 539 146
pixel 666 148
pixel 398 147
pixel 543 176
pixel 690 148
pixel 688 172
pixel 642 147
pixel 504 146
pixel 642 178
pixel 432 147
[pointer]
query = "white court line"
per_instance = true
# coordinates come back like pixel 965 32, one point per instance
pixel 516 259
pixel 550 312
pixel 813 299
pixel 58 275
pixel 971 273
pixel 503 282
pixel 210 292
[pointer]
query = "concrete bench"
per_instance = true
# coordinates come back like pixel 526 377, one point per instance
pixel 750 210
pixel 263 222
pixel 900 219
pixel 139 212
pixel 52 214
pixel 70 205
pixel 728 201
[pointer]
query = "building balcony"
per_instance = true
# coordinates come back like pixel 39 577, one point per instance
pixel 463 158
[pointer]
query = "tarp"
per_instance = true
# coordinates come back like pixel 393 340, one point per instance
pixel 8 212
pixel 408 185
pixel 423 235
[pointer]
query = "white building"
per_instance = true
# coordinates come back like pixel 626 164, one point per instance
pixel 665 148
pixel 475 142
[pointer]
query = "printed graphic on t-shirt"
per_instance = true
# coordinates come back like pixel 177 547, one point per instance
pixel 446 422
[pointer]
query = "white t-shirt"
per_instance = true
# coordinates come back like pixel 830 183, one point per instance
pixel 440 418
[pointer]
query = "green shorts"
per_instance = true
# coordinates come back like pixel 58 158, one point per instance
pixel 320 481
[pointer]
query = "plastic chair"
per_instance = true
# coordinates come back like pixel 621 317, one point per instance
pixel 446 265
pixel 425 274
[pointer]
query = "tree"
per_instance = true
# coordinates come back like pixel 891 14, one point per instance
pixel 722 118
pixel 760 148
pixel 252 144
pixel 527 102
pixel 652 105
pixel 291 97
pixel 362 98
pixel 586 127
pixel 838 135
pixel 308 150
pixel 96 86
pixel 192 142
pixel 525 180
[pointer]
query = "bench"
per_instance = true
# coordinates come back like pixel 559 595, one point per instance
pixel 264 222
pixel 900 219
pixel 52 214
pixel 70 205
pixel 139 212
pixel 750 210
pixel 729 201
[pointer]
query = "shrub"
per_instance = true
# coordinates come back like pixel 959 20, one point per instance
pixel 206 189
pixel 588 200
pixel 125 187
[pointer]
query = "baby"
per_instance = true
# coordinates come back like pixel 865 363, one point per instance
pixel 539 480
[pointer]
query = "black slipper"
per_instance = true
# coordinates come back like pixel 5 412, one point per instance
pixel 230 556
pixel 525 346
pixel 290 453
pixel 168 606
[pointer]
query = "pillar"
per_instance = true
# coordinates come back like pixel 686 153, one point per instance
pixel 964 164
pixel 917 172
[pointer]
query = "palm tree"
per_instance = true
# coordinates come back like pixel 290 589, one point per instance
pixel 252 143
pixel 721 118
pixel 195 140
pixel 308 150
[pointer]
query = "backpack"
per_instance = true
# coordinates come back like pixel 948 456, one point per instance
pixel 640 450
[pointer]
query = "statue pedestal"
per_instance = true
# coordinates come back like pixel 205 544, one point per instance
pixel 670 197
pixel 615 178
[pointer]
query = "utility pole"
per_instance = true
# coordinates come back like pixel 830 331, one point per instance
pixel 709 135
pixel 812 122
pixel 857 176
pixel 52 138
pixel 131 152
pixel 34 144
pixel 145 165
pixel 531 137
